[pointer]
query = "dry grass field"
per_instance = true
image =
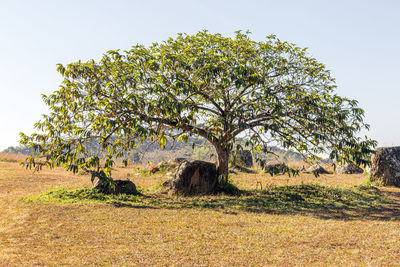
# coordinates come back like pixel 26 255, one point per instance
pixel 274 226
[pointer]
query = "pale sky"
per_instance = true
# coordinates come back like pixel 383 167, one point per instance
pixel 359 41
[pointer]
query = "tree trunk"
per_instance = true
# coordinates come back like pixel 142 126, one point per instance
pixel 223 165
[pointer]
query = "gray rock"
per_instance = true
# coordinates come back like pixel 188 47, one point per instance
pixel 318 169
pixel 244 158
pixel 116 187
pixel 194 178
pixel 348 169
pixel 386 166
pixel 154 169
pixel 275 167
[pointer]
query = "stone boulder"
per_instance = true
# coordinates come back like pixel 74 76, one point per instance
pixel 244 158
pixel 318 169
pixel 386 166
pixel 194 178
pixel 275 167
pixel 118 187
pixel 348 169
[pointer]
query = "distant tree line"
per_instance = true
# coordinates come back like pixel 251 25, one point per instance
pixel 199 148
pixel 24 150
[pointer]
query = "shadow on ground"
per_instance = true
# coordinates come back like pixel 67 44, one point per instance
pixel 361 202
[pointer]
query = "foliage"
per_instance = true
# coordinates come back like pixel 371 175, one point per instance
pixel 203 152
pixel 207 85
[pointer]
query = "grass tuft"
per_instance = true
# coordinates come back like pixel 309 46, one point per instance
pixel 83 194
pixel 369 182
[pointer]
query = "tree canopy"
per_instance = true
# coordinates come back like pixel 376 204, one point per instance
pixel 219 88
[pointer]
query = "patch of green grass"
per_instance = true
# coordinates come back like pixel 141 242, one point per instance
pixel 368 180
pixel 298 198
pixel 83 194
pixel 318 196
pixel 305 198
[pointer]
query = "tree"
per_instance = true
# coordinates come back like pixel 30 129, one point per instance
pixel 206 85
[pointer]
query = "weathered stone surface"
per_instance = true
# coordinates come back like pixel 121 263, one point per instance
pixel 386 166
pixel 244 158
pixel 195 178
pixel 120 187
pixel 317 169
pixel 348 169
pixel 275 167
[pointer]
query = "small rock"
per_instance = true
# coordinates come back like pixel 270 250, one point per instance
pixel 348 169
pixel 275 167
pixel 118 187
pixel 318 169
pixel 154 169
pixel 244 158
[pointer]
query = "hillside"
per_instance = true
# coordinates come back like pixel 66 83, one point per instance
pixel 194 148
